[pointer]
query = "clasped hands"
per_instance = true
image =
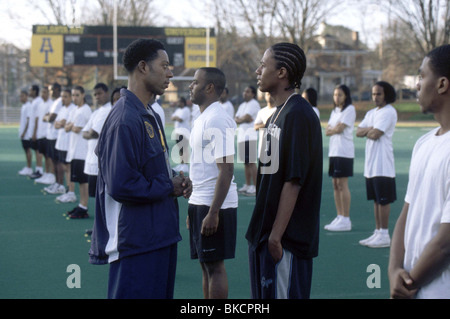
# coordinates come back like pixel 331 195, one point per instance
pixel 182 186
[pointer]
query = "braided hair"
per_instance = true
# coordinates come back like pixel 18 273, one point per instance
pixel 291 57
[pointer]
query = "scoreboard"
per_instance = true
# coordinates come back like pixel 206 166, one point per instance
pixel 58 46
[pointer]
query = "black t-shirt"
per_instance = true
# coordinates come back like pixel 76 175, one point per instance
pixel 291 150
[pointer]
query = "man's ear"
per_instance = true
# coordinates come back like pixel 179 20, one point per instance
pixel 282 73
pixel 142 66
pixel 443 85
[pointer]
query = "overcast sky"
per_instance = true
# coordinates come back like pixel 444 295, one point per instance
pixel 17 19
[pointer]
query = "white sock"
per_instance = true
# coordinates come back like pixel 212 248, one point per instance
pixel 79 205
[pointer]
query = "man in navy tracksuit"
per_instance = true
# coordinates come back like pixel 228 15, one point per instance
pixel 136 227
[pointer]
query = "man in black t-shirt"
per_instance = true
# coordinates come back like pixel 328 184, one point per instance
pixel 283 233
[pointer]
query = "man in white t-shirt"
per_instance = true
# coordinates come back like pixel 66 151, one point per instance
pixel 36 101
pixel 379 169
pixel 213 204
pixel 419 263
pixel 76 154
pixel 24 134
pixel 182 127
pixel 52 134
pixel 226 104
pixel 91 133
pixel 40 128
pixel 247 139
pixel 62 168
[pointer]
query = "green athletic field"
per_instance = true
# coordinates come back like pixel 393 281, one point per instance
pixel 38 243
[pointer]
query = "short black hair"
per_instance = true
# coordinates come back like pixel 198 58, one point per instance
pixel 56 86
pixel 389 92
pixel 35 88
pixel 311 95
pixel 216 77
pixel 440 60
pixel 79 88
pixel 293 58
pixel 141 50
pixel 348 97
pixel 253 89
pixel 101 86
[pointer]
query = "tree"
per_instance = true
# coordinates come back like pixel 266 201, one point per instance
pixel 427 21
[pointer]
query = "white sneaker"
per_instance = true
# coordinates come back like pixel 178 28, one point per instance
pixel 342 224
pixel 364 242
pixel 47 178
pixel 380 241
pixel 251 191
pixel 68 197
pixel 334 221
pixel 26 171
pixel 243 189
pixel 55 188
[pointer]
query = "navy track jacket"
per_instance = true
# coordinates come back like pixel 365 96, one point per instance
pixel 135 211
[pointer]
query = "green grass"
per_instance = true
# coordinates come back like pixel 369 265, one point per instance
pixel 39 243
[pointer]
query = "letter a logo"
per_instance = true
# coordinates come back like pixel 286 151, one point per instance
pixel 46 48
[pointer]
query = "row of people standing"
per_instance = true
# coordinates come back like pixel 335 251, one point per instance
pixel 71 131
pixel 378 128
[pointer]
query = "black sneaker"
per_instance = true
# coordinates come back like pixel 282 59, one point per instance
pixel 35 175
pixel 72 211
pixel 79 213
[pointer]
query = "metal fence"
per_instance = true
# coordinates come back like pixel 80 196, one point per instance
pixel 10 115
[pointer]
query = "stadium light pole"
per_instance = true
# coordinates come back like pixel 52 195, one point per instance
pixel 115 51
pixel 208 9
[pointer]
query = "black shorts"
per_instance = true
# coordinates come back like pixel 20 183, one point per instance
pixel 77 174
pixel 381 189
pixel 51 151
pixel 26 144
pixel 34 145
pixel 248 151
pixel 61 156
pixel 42 146
pixel 92 182
pixel 221 245
pixel 340 167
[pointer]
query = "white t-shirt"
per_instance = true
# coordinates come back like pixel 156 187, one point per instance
pixel 428 195
pixel 35 103
pixel 246 131
pixel 160 111
pixel 341 145
pixel 78 145
pixel 52 132
pixel 261 118
pixel 229 108
pixel 25 114
pixel 212 137
pixel 184 113
pixel 195 113
pixel 95 123
pixel 316 110
pixel 62 141
pixel 379 159
pixel 42 110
